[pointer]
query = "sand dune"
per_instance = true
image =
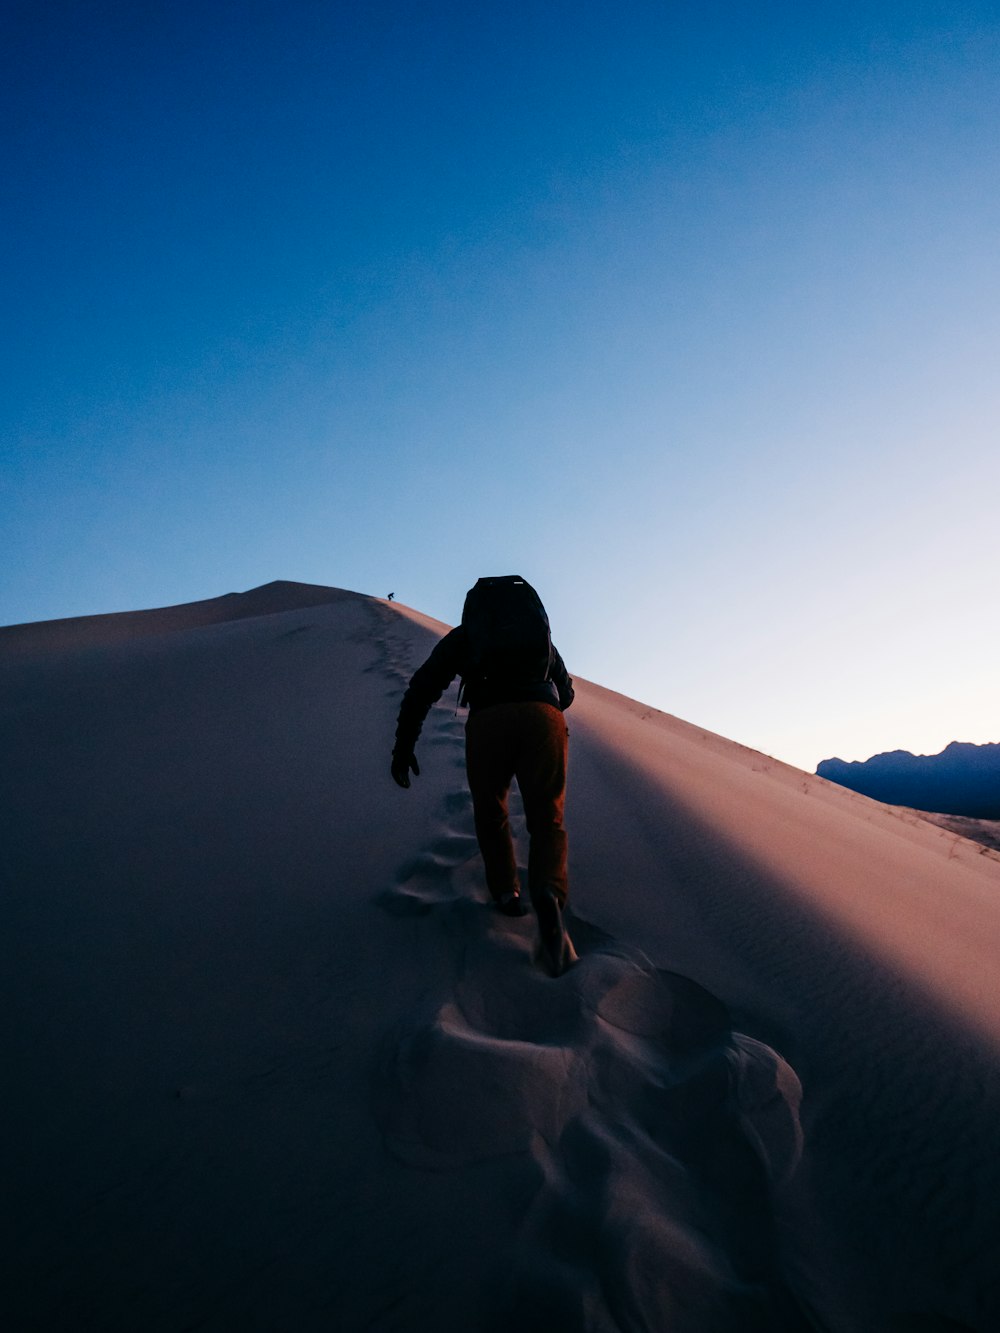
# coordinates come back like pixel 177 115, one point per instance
pixel 984 831
pixel 277 1066
pixel 121 626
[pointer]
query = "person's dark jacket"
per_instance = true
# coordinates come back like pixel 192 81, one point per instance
pixel 450 659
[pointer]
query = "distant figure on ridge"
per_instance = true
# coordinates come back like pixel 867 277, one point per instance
pixel 516 688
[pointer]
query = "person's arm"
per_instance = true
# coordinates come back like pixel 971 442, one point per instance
pixel 428 684
pixel 562 680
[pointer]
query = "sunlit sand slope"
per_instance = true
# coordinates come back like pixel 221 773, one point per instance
pixel 276 1065
pixel 858 940
pixel 984 831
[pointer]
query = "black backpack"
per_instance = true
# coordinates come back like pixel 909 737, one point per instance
pixel 507 635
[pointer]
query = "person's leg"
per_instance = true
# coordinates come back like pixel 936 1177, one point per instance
pixel 489 761
pixel 541 777
pixel 540 769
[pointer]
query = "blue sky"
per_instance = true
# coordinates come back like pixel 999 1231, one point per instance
pixel 687 313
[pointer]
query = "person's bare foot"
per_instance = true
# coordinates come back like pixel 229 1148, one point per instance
pixel 555 948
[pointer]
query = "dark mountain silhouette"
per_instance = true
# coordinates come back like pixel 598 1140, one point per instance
pixel 962 780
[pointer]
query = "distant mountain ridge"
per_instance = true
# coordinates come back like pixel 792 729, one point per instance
pixel 964 779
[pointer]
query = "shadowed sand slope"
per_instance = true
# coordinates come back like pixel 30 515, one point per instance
pixel 276 1065
pixel 116 627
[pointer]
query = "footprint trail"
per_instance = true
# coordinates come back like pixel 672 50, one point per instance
pixel 649 1137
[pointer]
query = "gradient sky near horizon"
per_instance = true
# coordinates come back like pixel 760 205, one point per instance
pixel 688 313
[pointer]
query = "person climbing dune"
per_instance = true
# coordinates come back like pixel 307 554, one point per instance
pixel 516 687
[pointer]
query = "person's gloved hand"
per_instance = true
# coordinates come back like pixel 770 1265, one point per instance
pixel 402 762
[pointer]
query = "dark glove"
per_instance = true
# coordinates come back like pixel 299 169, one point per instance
pixel 402 762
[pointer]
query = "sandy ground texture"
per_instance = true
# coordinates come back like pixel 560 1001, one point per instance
pixel 985 831
pixel 272 1063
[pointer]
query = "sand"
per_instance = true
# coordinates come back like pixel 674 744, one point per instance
pixel 274 1064
pixel 984 831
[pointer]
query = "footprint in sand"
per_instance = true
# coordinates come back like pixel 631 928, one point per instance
pixel 623 1097
pixel 446 870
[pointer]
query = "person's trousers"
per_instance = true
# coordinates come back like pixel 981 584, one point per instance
pixel 526 741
